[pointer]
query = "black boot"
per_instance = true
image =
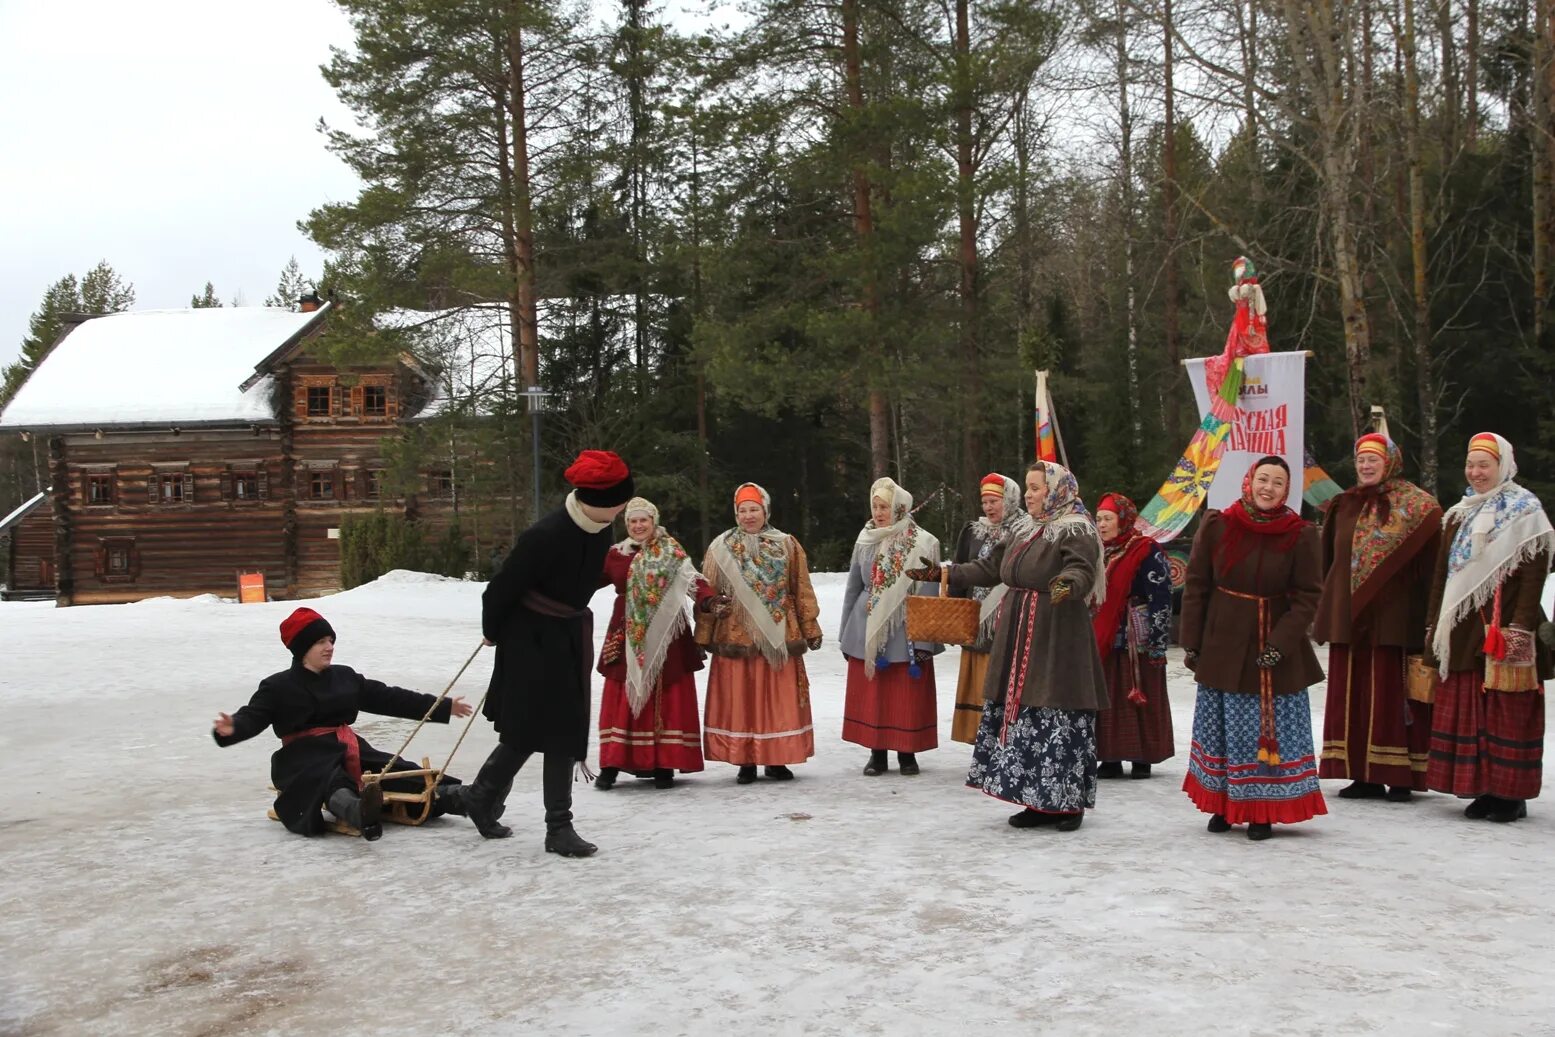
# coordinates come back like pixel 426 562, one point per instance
pixel 607 778
pixel 1509 810
pixel 559 835
pixel 449 799
pixel 747 774
pixel 1218 823
pixel 1259 831
pixel 484 797
pixel 1110 769
pixel 907 763
pixel 1032 819
pixel 1480 808
pixel 1362 790
pixel 780 773
pixel 1069 822
pixel 359 811
pixel 877 765
pixel 663 778
pixel 1400 794
pixel 1139 770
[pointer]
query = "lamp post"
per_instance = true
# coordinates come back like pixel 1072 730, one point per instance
pixel 535 398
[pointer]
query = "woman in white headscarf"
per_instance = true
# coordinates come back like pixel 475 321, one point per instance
pixel 758 694
pixel 1004 518
pixel 648 713
pixel 890 700
pixel 1487 726
pixel 1036 746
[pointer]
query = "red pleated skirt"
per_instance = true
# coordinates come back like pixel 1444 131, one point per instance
pixel 666 735
pixel 894 710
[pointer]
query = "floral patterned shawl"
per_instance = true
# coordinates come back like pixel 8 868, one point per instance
pixel 1063 514
pixel 753 569
pixel 888 551
pixel 1393 524
pixel 1497 531
pixel 658 583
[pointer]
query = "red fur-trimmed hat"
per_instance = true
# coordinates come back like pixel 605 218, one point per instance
pixel 601 479
pixel 303 629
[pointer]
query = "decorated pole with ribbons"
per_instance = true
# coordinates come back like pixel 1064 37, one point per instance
pixel 1049 440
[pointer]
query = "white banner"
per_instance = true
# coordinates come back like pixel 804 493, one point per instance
pixel 1271 419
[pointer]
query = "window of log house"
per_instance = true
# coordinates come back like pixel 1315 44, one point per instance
pixel 319 401
pixel 245 485
pixel 441 483
pixel 375 401
pixel 99 489
pixel 170 488
pixel 321 484
pixel 372 483
pixel 117 560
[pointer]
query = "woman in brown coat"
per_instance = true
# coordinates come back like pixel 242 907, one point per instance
pixel 1487 727
pixel 1254 577
pixel 1036 746
pixel 1379 545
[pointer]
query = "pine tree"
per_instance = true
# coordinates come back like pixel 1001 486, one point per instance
pixel 101 290
pixel 291 287
pixel 205 300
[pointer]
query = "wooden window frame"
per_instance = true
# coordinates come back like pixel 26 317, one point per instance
pixel 93 481
pixel 440 484
pixel 372 483
pixel 372 408
pixel 108 548
pixel 328 402
pixel 239 478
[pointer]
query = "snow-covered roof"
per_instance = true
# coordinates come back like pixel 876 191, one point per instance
pixel 158 367
pixel 20 513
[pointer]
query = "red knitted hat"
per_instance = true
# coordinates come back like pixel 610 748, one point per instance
pixel 601 478
pixel 303 629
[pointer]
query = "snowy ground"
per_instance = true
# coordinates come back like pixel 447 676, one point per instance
pixel 144 891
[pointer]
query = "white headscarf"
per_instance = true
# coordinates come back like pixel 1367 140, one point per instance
pixel 884 553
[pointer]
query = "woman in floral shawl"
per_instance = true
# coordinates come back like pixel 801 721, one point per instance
pixel 1036 747
pixel 1379 547
pixel 648 715
pixel 890 701
pixel 1132 629
pixel 1004 518
pixel 1487 727
pixel 758 695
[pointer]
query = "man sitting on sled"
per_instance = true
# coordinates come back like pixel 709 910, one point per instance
pixel 321 760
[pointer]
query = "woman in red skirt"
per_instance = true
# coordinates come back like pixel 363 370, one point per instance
pixel 1379 545
pixel 1487 727
pixel 648 716
pixel 891 697
pixel 1132 627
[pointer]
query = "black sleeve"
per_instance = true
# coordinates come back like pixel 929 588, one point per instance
pixel 508 587
pixel 252 718
pixel 387 700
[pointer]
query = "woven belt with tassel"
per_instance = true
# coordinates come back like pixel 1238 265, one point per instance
pixel 1268 737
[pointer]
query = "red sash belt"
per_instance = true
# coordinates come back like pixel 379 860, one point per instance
pixel 347 738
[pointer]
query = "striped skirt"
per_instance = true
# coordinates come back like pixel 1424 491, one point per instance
pixel 969 696
pixel 1372 731
pixel 1224 775
pixel 664 736
pixel 1124 731
pixel 894 710
pixel 758 715
pixel 1486 742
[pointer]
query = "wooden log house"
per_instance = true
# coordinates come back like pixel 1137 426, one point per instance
pixel 186 446
pixel 28 536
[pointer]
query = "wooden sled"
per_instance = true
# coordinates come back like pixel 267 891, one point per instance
pixel 400 808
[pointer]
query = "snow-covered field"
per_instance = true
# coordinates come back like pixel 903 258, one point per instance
pixel 142 890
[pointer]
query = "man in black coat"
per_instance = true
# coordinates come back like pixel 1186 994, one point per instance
pixel 320 762
pixel 536 611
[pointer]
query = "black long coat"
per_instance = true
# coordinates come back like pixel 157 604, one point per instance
pixel 309 769
pixel 539 695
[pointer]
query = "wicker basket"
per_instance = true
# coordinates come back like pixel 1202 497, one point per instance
pixel 942 620
pixel 1420 680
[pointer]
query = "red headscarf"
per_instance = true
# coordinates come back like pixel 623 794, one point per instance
pixel 1245 520
pixel 1124 555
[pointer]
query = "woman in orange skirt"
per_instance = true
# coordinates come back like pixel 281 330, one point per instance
pixel 758 696
pixel 890 701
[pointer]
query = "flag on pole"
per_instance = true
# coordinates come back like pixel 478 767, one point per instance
pixel 1317 487
pixel 1047 443
pixel 1174 505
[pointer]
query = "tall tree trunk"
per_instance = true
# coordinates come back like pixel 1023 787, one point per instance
pixel 508 206
pixel 1169 220
pixel 1126 198
pixel 864 230
pixel 966 212
pixel 1451 94
pixel 1425 381
pixel 638 187
pixel 523 214
pixel 1539 139
pixel 704 501
pixel 1471 73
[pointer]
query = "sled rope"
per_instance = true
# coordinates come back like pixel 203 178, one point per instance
pixel 380 775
